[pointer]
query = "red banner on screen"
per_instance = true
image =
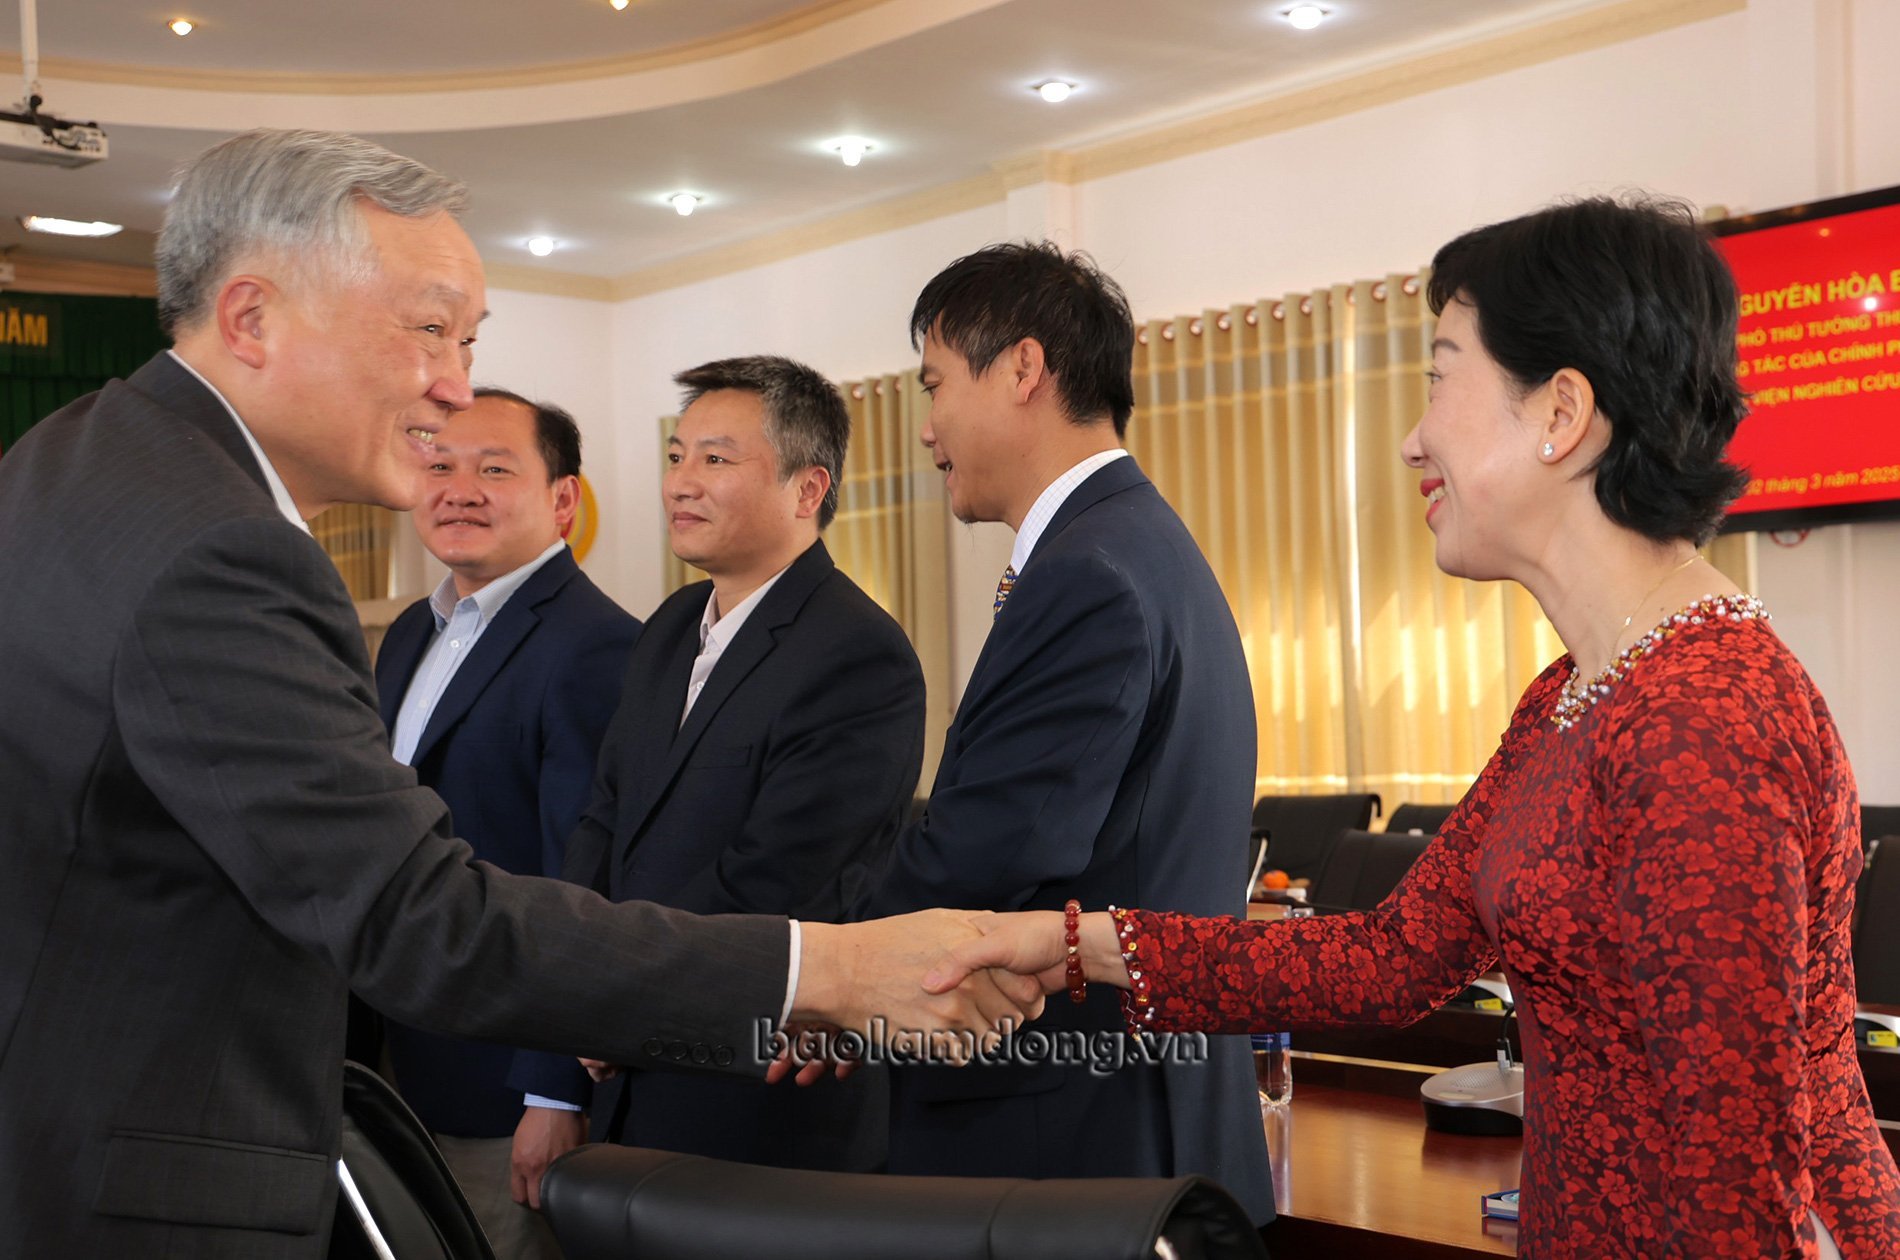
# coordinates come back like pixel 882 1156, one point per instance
pixel 1819 353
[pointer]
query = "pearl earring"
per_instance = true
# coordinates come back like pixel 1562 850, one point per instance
pixel 1549 450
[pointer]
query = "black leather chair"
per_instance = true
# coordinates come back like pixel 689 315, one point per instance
pixel 1877 821
pixel 1364 867
pixel 1877 925
pixel 617 1202
pixel 1303 828
pixel 1425 818
pixel 395 1188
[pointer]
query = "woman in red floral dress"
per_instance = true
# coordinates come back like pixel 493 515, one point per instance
pixel 1661 854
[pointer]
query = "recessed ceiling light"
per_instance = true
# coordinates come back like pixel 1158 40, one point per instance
pixel 851 148
pixel 69 227
pixel 1055 91
pixel 684 202
pixel 618 5
pixel 540 246
pixel 1304 17
pixel 181 26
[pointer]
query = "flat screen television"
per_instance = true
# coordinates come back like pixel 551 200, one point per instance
pixel 1819 352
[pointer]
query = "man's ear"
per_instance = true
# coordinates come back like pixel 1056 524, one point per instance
pixel 245 310
pixel 567 501
pixel 1028 368
pixel 813 484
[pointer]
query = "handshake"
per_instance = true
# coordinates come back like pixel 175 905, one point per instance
pixel 944 985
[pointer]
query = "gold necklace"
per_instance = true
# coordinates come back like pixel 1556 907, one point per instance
pixel 1647 596
pixel 1571 699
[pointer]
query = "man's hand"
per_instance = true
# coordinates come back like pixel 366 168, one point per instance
pixel 544 1134
pixel 866 977
pixel 1031 946
pixel 600 1069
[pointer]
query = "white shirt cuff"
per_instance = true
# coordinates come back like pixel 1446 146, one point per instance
pixel 552 1104
pixel 791 975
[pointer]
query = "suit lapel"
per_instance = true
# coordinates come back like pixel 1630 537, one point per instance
pixel 754 643
pixel 515 622
pixel 397 659
pixel 1110 479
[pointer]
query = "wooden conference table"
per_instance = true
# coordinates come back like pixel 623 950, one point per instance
pixel 1357 1173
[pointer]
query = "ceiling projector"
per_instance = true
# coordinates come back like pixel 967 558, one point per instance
pixel 49 141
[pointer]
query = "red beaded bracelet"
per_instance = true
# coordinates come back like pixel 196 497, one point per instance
pixel 1072 934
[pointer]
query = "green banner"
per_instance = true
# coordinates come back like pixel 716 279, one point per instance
pixel 56 347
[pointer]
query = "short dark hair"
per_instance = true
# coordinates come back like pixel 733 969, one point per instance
pixel 1633 294
pixel 806 420
pixel 986 302
pixel 554 432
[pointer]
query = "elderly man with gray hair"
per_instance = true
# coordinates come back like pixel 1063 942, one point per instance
pixel 207 841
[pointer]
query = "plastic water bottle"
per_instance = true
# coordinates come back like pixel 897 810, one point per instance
pixel 1273 1051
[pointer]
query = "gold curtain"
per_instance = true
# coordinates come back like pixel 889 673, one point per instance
pixel 357 536
pixel 1275 429
pixel 890 534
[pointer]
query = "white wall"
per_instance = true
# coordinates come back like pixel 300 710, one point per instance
pixel 1786 101
pixel 556 350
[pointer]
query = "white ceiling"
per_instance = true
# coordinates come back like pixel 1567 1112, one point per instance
pixel 740 96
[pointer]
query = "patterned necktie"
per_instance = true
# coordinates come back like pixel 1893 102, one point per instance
pixel 1003 588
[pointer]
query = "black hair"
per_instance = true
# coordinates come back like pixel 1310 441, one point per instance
pixel 554 432
pixel 1633 294
pixel 805 417
pixel 986 302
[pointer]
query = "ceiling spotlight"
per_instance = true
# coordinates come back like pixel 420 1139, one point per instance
pixel 540 246
pixel 68 227
pixel 1304 17
pixel 181 26
pixel 619 5
pixel 1055 91
pixel 851 148
pixel 684 202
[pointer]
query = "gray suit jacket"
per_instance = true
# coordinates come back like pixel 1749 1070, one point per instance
pixel 207 843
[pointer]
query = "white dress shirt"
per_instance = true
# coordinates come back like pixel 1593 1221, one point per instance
pixel 1050 501
pixel 458 625
pixel 716 633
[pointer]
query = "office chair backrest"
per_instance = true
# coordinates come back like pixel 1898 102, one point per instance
pixel 613 1202
pixel 1877 927
pixel 398 1181
pixel 1303 828
pixel 1364 868
pixel 1425 818
pixel 1877 821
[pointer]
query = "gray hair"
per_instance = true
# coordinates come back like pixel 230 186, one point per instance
pixel 293 194
pixel 806 420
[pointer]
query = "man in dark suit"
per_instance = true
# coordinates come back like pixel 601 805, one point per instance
pixel 492 689
pixel 768 741
pixel 207 842
pixel 1103 749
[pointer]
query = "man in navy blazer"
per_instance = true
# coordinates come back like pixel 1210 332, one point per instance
pixel 1103 749
pixel 497 690
pixel 768 742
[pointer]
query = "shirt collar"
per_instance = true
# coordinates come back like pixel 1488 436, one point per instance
pixel 279 494
pixel 490 598
pixel 1050 501
pixel 722 630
